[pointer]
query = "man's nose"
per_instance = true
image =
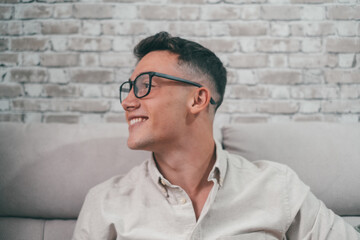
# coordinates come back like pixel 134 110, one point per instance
pixel 130 102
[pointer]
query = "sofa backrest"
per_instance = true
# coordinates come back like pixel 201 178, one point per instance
pixel 47 169
pixel 326 156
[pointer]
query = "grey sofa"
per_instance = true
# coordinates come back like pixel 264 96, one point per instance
pixel 47 169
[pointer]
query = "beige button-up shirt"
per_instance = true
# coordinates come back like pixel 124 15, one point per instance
pixel 258 200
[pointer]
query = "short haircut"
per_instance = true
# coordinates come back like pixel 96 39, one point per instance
pixel 191 54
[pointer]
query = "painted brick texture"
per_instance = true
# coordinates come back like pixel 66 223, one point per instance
pixel 297 60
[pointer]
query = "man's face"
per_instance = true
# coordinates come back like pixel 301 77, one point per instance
pixel 157 120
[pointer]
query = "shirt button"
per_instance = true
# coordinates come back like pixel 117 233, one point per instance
pixel 163 182
pixel 182 200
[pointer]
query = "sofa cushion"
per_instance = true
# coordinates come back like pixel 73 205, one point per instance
pixel 326 156
pixel 21 228
pixel 47 169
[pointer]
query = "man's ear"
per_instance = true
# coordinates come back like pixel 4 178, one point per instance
pixel 200 101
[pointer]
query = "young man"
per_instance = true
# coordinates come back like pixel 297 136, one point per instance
pixel 190 188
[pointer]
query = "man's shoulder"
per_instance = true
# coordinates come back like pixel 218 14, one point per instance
pixel 120 183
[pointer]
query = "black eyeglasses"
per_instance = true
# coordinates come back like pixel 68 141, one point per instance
pixel 142 85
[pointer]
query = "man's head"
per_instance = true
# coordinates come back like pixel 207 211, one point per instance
pixel 201 64
pixel 171 91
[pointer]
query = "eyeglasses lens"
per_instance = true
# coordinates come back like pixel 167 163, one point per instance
pixel 142 85
pixel 124 90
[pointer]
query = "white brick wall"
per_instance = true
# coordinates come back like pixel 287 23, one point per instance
pixel 287 60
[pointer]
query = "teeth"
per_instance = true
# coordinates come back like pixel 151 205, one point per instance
pixel 136 120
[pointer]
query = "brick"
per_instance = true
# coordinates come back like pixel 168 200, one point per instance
pixel 31 117
pixel 342 76
pixel 341 106
pixel 313 76
pixel 277 107
pixel 59 59
pixel 52 90
pixel 154 12
pixel 313 29
pixel 314 92
pixel 249 92
pixel 350 91
pixel 247 45
pixel 125 12
pixel 10 90
pixel 278 61
pixel 250 12
pixel 58 76
pixel 249 119
pixel 122 44
pixel 89 59
pixel 31 28
pixel 59 44
pixel 279 92
pixel 280 29
pixel 116 106
pixel 33 11
pixel 309 107
pixel 347 60
pixel 347 28
pixel 61 118
pixel 110 91
pixel 345 12
pixel 313 13
pixel 30 59
pixel 284 12
pixel 60 27
pixel 277 45
pixel 4 44
pixel 313 1
pixel 347 45
pixel 248 61
pixel 29 44
pixel 123 74
pixel 223 12
pixel 311 45
pixel 93 11
pixel 14 28
pixel 312 61
pixel 92 76
pixel 188 1
pixel 238 106
pixel 62 11
pixel 279 77
pixel 117 60
pixel 219 44
pixel 91 28
pixel 91 91
pixel 28 75
pixel 314 118
pixel 95 106
pixel 244 76
pixel 41 105
pixel 10 117
pixel 190 29
pixel 34 90
pixel 114 118
pixel 5 12
pixel 90 44
pixel 189 13
pixel 123 28
pixel 248 29
pixel 4 105
pixel 244 1
pixel 219 29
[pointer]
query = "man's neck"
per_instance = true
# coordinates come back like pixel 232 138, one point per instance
pixel 188 165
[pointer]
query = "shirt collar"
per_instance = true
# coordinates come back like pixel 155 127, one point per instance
pixel 217 173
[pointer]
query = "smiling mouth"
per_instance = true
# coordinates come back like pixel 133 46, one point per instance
pixel 137 120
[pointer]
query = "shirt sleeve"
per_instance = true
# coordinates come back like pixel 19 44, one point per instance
pixel 315 221
pixel 91 223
